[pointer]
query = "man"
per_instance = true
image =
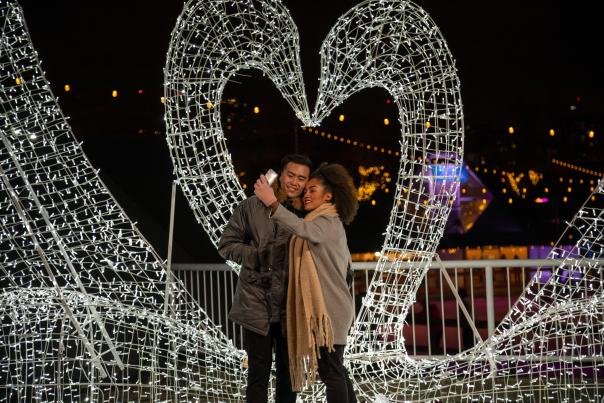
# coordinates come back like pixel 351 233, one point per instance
pixel 260 247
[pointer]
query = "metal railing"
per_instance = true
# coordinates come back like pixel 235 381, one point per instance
pixel 435 323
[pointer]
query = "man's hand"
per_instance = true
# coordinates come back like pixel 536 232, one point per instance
pixel 264 192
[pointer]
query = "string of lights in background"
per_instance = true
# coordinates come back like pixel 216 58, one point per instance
pixel 97 313
pixel 578 168
pixel 350 141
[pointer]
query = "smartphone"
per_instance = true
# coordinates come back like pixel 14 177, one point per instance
pixel 271 176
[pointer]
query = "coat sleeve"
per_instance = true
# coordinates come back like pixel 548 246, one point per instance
pixel 315 231
pixel 234 243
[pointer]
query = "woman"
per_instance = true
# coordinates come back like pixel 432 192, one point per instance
pixel 319 304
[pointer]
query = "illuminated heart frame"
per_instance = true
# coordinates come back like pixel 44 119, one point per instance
pixel 389 44
pixel 88 309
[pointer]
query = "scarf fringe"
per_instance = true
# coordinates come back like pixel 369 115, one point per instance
pixel 303 369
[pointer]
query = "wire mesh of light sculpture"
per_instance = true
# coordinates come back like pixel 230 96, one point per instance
pixel 86 310
pixel 85 305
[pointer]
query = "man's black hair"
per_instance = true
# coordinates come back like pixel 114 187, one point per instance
pixel 296 159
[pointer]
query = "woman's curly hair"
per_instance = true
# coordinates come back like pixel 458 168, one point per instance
pixel 336 179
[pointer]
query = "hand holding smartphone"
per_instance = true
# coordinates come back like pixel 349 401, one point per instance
pixel 264 193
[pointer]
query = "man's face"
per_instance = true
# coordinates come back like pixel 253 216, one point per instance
pixel 293 179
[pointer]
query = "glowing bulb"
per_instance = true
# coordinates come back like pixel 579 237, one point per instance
pixel 256 110
pixel 341 118
pixel 162 100
pixel 386 121
pixel 552 132
pixel 18 81
pixel 67 87
pixel 511 130
pixel 114 93
pixel 591 134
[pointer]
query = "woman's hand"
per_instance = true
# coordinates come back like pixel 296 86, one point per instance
pixel 264 191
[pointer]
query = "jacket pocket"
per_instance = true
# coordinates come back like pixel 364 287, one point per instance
pixel 258 279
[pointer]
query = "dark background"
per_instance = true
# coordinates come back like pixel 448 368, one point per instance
pixel 521 64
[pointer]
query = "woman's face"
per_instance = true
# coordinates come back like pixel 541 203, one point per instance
pixel 315 195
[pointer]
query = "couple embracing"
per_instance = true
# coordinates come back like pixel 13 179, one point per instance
pixel 293 295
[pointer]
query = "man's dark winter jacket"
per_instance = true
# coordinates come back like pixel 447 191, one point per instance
pixel 259 245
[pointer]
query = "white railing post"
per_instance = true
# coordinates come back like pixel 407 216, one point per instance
pixel 169 262
pixel 488 271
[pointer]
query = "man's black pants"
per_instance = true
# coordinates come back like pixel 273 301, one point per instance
pixel 338 385
pixel 260 358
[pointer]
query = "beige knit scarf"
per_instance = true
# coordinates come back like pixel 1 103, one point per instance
pixel 308 323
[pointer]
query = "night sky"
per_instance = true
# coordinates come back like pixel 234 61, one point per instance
pixel 518 62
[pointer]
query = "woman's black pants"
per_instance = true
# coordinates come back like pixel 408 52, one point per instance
pixel 335 377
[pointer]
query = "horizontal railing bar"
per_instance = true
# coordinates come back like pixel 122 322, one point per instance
pixel 530 359
pixel 448 264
